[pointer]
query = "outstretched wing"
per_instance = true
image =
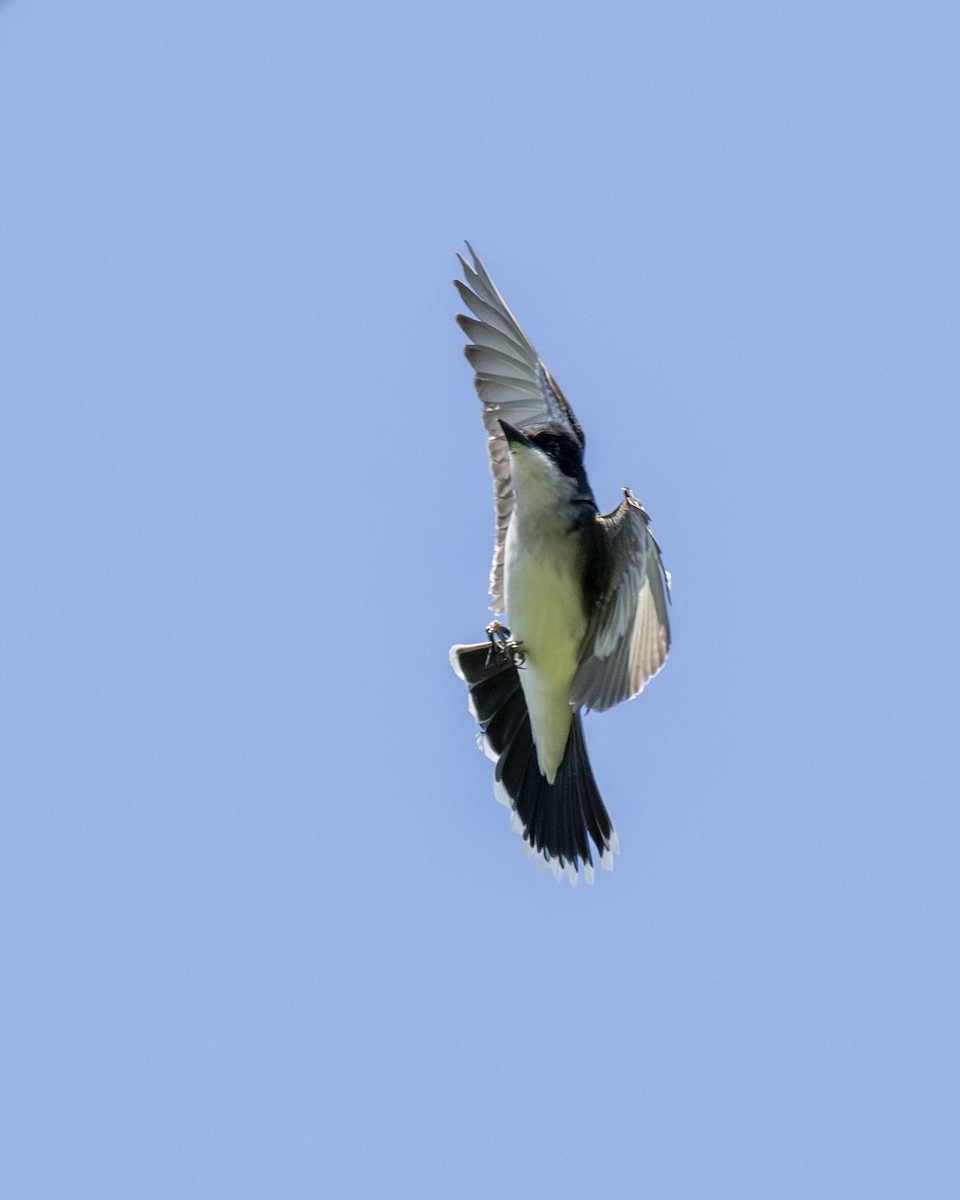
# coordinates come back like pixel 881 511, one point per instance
pixel 513 383
pixel 628 638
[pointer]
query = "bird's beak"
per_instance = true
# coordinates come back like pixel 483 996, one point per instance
pixel 513 435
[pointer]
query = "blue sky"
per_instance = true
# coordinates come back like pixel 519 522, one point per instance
pixel 265 930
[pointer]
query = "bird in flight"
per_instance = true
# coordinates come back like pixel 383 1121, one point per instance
pixel 584 597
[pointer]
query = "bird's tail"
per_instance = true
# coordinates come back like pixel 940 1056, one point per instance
pixel 554 819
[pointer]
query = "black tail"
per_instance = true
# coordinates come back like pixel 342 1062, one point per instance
pixel 553 818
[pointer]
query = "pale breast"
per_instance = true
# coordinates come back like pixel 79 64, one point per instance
pixel 545 613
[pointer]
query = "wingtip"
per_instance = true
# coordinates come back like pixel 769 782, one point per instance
pixel 476 268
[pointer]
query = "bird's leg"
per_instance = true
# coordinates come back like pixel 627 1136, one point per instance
pixel 501 641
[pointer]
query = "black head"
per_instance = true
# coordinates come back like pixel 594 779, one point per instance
pixel 560 447
pixel 563 448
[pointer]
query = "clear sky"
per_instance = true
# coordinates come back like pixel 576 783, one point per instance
pixel 265 931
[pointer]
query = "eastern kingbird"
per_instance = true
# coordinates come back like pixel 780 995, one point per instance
pixel 585 596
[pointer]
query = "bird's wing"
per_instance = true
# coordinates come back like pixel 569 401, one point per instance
pixel 628 638
pixel 513 383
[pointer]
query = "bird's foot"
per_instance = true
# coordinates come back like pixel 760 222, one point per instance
pixel 502 643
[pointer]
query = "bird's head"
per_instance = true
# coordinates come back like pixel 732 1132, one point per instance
pixel 547 456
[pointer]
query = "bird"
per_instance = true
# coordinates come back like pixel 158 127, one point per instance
pixel 584 596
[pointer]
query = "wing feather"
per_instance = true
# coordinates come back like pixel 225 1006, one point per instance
pixel 628 638
pixel 513 383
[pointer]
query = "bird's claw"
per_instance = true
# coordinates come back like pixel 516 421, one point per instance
pixel 502 643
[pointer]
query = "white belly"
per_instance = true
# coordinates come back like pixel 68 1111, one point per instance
pixel 545 613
